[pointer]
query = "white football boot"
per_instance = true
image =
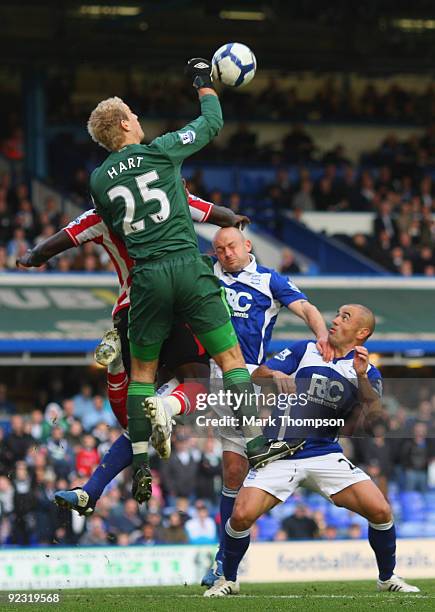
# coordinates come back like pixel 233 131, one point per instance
pixel 161 422
pixel 395 584
pixel 223 588
pixel 109 348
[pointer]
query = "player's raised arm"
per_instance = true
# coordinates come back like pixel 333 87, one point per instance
pixel 369 386
pixel 198 133
pixel 314 320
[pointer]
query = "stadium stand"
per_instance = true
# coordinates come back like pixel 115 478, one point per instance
pixel 54 447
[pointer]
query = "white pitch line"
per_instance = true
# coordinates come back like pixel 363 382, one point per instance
pixel 243 596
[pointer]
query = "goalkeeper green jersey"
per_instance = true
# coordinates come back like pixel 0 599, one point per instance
pixel 139 193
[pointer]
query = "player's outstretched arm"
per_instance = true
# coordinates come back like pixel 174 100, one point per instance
pixel 45 250
pixel 191 138
pixel 263 375
pixel 225 217
pixel 312 317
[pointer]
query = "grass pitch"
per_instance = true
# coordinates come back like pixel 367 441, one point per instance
pixel 314 597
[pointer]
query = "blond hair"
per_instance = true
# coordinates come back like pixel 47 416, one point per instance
pixel 104 124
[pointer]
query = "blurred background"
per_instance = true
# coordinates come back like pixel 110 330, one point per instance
pixel 330 151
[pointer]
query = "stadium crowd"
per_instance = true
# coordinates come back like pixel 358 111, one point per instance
pixel 330 101
pixel 58 446
pixel 394 182
pixel 402 239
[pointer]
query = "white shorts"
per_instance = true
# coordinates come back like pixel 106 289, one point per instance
pixel 324 474
pixel 232 439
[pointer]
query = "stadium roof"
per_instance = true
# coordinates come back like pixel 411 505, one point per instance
pixel 374 37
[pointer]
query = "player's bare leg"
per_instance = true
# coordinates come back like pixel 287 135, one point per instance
pixel 366 499
pixel 250 504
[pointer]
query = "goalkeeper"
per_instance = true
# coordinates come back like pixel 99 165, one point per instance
pixel 138 191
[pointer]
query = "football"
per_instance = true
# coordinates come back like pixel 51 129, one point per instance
pixel 234 64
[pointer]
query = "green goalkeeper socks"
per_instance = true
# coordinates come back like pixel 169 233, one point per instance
pixel 238 381
pixel 139 426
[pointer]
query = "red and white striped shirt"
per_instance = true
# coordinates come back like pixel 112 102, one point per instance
pixel 90 227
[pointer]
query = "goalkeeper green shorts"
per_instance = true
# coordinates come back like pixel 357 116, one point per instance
pixel 181 284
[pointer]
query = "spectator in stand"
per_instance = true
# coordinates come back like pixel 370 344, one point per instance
pixel 405 217
pixel 405 242
pixel 425 258
pixel 16 244
pixel 397 259
pixel 300 525
pixel 385 223
pixel 336 156
pixel 126 521
pixel 68 414
pixel 79 188
pixel 407 269
pixel 87 457
pixel 147 536
pixel 180 470
pixel 83 401
pixel 74 434
pixel 3 259
pixel 60 453
pixel 361 244
pixel 123 539
pixel 234 202
pixel 279 193
pixel 45 510
pixel 304 199
pixel 6 406
pixel 242 144
pixel 95 534
pixel 36 425
pixel 6 504
pixel 208 478
pixel 288 264
pixel 52 417
pixel 25 217
pixel 381 251
pixel 298 146
pixel 98 414
pixel 174 532
pixel 201 529
pixel 377 450
pixel 415 457
pixel 23 519
pixel 354 532
pixel 325 197
pixel 51 210
pixel 6 222
pixel 365 197
pixel 17 443
pixel 384 183
pixel 330 533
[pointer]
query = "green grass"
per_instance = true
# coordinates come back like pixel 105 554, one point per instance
pixel 311 597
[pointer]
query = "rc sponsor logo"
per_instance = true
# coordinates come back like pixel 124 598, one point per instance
pixel 239 301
